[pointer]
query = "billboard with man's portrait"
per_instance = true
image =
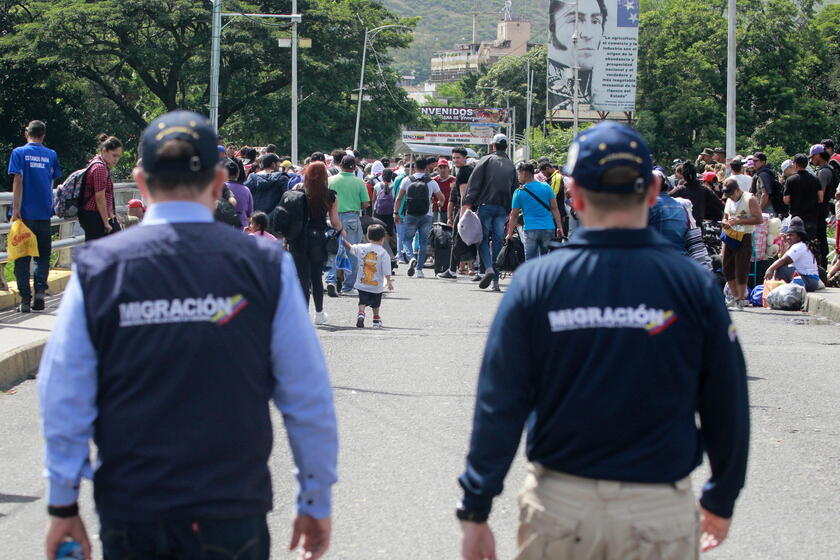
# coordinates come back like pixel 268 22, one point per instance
pixel 606 55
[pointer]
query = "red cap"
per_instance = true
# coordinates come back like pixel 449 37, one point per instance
pixel 443 161
pixel 136 203
pixel 710 176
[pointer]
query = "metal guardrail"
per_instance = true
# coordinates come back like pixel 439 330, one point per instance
pixel 69 231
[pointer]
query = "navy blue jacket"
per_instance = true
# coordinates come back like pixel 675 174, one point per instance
pixel 606 349
pixel 177 314
pixel 267 189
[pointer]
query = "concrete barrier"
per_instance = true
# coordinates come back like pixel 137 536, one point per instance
pixel 824 303
pixel 20 364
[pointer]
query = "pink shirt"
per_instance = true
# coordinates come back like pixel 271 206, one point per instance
pixel 263 234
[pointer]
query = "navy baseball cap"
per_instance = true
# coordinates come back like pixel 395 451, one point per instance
pixel 184 125
pixel 605 146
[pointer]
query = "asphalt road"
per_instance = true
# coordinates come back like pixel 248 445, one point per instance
pixel 404 396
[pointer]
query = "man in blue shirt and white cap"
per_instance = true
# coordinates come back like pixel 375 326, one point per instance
pixel 171 339
pixel 606 350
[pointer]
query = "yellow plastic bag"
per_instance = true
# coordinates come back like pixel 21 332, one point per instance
pixel 21 241
pixel 769 286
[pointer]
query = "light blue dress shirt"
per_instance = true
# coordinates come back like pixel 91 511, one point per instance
pixel 67 385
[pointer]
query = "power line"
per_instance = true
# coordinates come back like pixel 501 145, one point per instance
pixel 242 13
pixel 384 81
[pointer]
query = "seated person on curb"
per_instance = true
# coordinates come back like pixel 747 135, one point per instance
pixel 800 258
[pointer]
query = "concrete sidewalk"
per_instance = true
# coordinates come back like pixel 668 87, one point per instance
pixel 22 340
pixel 824 303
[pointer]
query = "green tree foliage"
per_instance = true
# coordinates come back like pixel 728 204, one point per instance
pixel 141 58
pixel 826 27
pixel 28 91
pixel 553 143
pixel 681 96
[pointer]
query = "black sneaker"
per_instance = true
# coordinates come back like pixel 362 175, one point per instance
pixel 486 280
pixel 331 291
pixel 496 287
pixel 447 275
pixel 476 277
pixel 360 321
pixel 38 302
pixel 24 306
pixel 412 264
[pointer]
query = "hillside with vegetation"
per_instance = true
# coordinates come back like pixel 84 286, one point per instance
pixel 444 23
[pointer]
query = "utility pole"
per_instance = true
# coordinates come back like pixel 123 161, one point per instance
pixel 512 143
pixel 731 70
pixel 294 115
pixel 527 153
pixel 216 51
pixel 361 89
pixel 215 55
pixel 576 78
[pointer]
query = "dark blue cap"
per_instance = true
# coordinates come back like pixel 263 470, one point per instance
pixel 605 146
pixel 185 125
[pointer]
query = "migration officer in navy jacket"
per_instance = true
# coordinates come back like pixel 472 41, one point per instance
pixel 171 340
pixel 606 350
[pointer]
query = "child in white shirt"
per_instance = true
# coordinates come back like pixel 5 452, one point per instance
pixel 374 273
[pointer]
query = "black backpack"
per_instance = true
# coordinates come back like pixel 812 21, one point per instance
pixel 291 216
pixel 417 197
pixel 832 187
pixel 226 214
pixel 777 198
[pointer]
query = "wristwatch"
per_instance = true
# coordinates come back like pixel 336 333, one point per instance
pixel 64 512
pixel 471 516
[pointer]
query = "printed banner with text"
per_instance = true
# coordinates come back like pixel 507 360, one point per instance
pixel 466 114
pixel 434 137
pixel 607 55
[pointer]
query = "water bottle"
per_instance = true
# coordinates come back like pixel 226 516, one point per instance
pixel 70 550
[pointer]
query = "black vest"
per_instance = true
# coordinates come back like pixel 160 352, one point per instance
pixel 180 316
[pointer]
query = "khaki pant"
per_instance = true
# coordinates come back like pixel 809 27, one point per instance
pixel 568 517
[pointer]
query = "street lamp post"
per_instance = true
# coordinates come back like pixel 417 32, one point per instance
pixel 576 78
pixel 527 153
pixel 731 69
pixel 511 116
pixel 294 115
pixel 215 53
pixel 368 34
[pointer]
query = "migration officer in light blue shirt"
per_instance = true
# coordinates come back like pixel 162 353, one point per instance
pixel 166 353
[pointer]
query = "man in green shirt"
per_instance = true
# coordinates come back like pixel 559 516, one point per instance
pixel 353 197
